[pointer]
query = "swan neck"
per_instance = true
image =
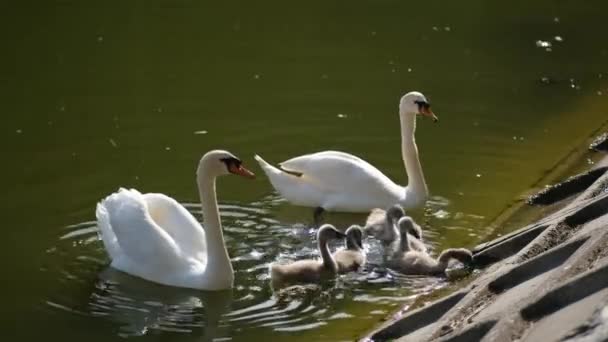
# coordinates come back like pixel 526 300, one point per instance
pixel 409 152
pixel 218 260
pixel 328 261
pixel 404 243
pixel 352 244
pixel 444 259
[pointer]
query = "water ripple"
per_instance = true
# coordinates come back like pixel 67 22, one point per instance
pixel 255 239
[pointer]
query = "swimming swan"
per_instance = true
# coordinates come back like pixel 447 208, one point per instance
pixel 353 256
pixel 410 261
pixel 309 271
pixel 153 237
pixel 338 181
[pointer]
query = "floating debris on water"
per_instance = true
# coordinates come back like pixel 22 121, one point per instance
pixel 478 175
pixel 256 76
pixel 447 29
pixel 547 80
pixel 409 69
pixel 113 143
pixel 543 43
pixel 573 84
pixel 441 214
pixel 558 39
pixel 100 39
pixel 556 19
pixel 19 131
pixel 342 116
pixel 200 132
pixel 167 148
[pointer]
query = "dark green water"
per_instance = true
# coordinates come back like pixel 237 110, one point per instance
pixel 104 95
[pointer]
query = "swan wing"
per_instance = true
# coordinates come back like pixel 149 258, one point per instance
pixel 179 223
pixel 339 171
pixel 141 240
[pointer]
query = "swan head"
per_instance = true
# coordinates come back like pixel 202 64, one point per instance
pixel 416 103
pixel 328 232
pixel 220 162
pixel 407 225
pixel 354 237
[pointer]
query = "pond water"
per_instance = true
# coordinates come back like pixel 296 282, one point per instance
pixel 104 95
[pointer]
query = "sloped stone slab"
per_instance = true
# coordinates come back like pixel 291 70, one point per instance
pixel 600 143
pixel 417 319
pixel 567 188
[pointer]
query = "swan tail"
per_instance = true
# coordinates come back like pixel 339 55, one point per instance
pixel 102 213
pixel 276 275
pixel 269 170
pixel 279 179
pixel 128 229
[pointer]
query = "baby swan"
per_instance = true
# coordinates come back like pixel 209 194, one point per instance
pixel 410 261
pixel 309 271
pixel 352 257
pixel 382 225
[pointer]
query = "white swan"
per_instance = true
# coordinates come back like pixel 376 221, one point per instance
pixel 338 181
pixel 153 237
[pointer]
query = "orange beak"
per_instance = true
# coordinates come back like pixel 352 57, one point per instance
pixel 426 111
pixel 241 171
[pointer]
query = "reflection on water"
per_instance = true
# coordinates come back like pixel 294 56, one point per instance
pixel 254 240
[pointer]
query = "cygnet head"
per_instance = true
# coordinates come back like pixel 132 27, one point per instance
pixel 329 232
pixel 394 213
pixel 407 225
pixel 416 103
pixel 220 162
pixel 354 237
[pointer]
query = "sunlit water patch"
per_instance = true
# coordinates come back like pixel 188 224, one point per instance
pixel 88 286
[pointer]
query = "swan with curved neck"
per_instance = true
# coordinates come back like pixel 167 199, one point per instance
pixel 153 237
pixel 309 271
pixel 338 181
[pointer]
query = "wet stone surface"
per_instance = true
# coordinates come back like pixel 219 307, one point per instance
pixel 545 282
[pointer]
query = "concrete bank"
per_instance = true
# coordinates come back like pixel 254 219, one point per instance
pixel 547 281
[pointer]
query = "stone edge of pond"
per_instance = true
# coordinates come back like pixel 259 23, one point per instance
pixel 545 281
